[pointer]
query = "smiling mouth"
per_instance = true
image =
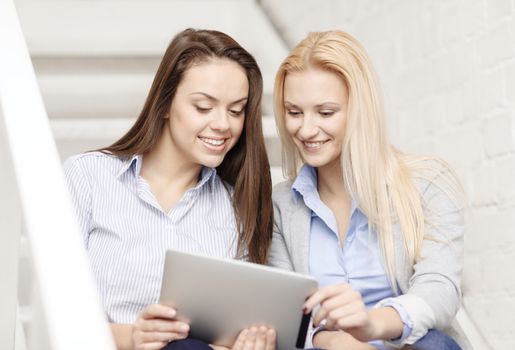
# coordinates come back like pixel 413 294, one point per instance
pixel 214 144
pixel 313 145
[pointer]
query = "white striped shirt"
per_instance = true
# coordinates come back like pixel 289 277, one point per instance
pixel 126 233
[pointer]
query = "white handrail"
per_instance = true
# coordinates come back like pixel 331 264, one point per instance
pixel 71 309
pixel 470 330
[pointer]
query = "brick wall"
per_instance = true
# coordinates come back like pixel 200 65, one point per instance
pixel 448 73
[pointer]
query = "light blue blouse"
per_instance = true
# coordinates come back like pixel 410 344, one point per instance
pixel 357 262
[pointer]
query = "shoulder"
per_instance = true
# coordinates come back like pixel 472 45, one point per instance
pixel 285 202
pixel 282 193
pixel 437 184
pixel 220 186
pixel 94 163
pixel 88 158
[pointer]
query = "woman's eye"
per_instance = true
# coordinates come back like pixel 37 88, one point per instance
pixel 326 113
pixel 294 113
pixel 237 112
pixel 203 109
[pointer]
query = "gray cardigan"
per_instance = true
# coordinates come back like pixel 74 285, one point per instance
pixel 430 289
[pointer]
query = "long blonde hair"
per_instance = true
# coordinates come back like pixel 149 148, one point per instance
pixel 379 177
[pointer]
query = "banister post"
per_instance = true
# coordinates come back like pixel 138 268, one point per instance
pixel 10 229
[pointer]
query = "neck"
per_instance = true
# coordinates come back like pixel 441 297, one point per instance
pixel 330 181
pixel 166 165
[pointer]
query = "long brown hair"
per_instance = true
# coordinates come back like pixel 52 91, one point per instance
pixel 245 167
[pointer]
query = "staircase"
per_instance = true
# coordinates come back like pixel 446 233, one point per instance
pixel 95 60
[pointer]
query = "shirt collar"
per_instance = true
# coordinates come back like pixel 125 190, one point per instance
pixel 206 174
pixel 135 160
pixel 306 184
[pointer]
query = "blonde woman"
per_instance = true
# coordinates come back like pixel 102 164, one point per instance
pixel 381 230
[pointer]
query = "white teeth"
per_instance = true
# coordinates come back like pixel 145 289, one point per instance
pixel 313 144
pixel 213 141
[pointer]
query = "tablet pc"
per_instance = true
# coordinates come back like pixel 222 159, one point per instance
pixel 219 297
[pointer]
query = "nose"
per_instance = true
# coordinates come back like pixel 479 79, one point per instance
pixel 220 121
pixel 308 128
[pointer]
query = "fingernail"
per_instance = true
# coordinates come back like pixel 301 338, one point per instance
pixel 184 327
pixel 172 312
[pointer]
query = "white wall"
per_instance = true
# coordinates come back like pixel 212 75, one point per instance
pixel 448 74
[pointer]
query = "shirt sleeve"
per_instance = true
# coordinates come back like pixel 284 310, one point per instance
pixel 311 335
pixel 80 192
pixel 433 294
pixel 405 318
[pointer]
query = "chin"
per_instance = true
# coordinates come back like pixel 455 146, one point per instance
pixel 315 162
pixel 211 162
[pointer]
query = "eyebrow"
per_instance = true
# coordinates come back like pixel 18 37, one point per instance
pixel 214 99
pixel 324 104
pixel 289 104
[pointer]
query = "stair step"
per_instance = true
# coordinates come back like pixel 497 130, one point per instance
pixel 122 28
pixel 102 94
pixel 94 95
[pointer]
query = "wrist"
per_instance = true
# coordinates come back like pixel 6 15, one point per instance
pixel 376 328
pixel 339 340
pixel 385 324
pixel 122 335
pixel 320 339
